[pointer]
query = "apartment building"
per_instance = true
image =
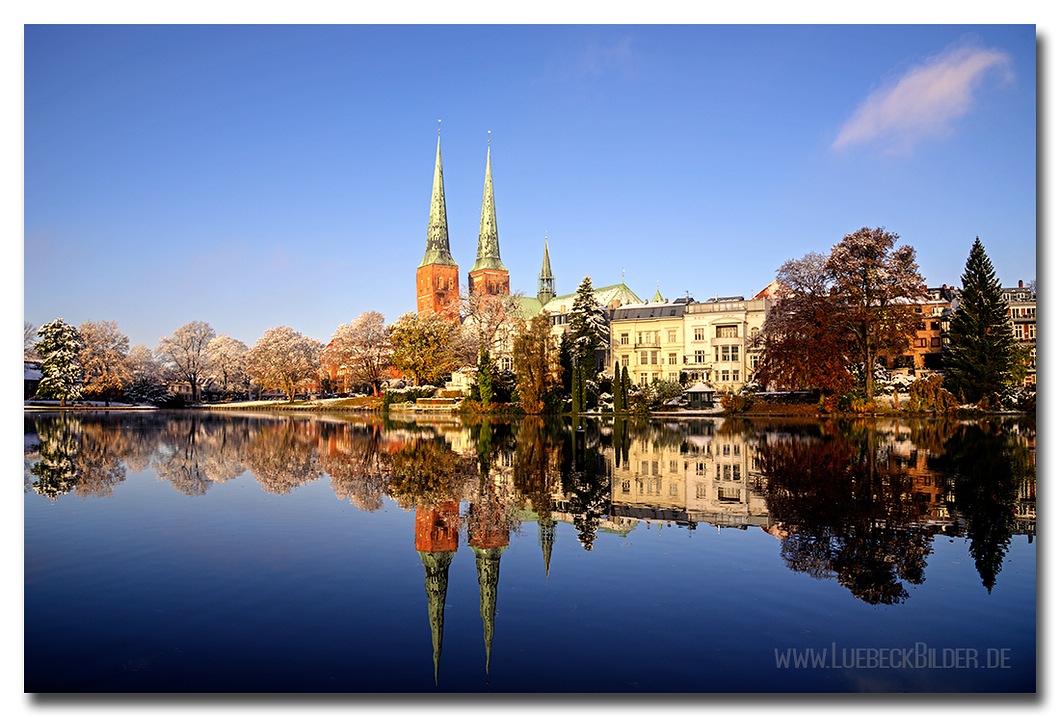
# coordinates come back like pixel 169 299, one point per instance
pixel 721 340
pixel 648 340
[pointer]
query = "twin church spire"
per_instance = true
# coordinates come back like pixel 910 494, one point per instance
pixel 437 277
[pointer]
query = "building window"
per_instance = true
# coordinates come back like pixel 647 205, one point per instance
pixel 727 332
pixel 697 334
pixel 654 357
pixel 735 375
pixel 701 356
pixel 625 360
pixel 671 336
pixel 624 339
pixel 673 359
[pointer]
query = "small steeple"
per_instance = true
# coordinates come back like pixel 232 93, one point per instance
pixel 489 247
pixel 437 225
pixel 546 283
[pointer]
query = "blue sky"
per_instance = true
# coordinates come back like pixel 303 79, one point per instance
pixel 256 176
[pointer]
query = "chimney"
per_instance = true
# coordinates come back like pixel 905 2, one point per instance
pixel 1021 283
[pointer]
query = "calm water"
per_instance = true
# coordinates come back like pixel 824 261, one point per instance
pixel 210 552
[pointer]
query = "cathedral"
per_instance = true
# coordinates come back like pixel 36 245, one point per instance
pixel 438 275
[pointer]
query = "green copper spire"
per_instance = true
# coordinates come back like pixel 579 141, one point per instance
pixel 546 283
pixel 547 531
pixel 488 564
pixel 489 247
pixel 436 566
pixel 437 225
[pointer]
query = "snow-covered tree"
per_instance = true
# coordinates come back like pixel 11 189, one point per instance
pixel 490 323
pixel 29 352
pixel 981 353
pixel 282 358
pixel 227 363
pixel 146 377
pixel 104 359
pixel 362 350
pixel 184 353
pixel 59 346
pixel 588 330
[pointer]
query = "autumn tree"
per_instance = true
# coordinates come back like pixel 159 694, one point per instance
pixel 980 357
pixel 185 354
pixel 424 347
pixel 59 346
pixel 587 327
pixel 536 364
pixel 877 287
pixel 804 345
pixel 362 350
pixel 226 363
pixel 282 358
pixel 103 358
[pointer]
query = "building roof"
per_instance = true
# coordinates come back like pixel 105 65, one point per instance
pixel 654 310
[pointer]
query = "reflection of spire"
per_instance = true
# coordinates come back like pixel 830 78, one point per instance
pixel 436 543
pixel 488 564
pixel 488 538
pixel 547 531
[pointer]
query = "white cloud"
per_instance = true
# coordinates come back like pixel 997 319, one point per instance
pixel 598 59
pixel 923 103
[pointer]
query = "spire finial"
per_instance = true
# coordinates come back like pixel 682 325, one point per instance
pixel 488 137
pixel 439 127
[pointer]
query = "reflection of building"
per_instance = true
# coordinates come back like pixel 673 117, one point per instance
pixel 705 478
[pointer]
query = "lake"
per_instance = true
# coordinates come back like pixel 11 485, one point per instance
pixel 220 552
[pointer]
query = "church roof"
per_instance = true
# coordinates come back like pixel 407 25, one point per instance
pixel 605 296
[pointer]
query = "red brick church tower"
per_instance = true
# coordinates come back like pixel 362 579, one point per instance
pixel 438 276
pixel 488 275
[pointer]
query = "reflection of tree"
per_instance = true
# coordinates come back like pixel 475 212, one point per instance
pixel 358 466
pixel 584 478
pixel 986 465
pixel 282 455
pixel 426 471
pixel 56 470
pixel 535 477
pixel 79 456
pixel 195 451
pixel 848 512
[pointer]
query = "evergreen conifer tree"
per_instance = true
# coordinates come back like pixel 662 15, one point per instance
pixel 586 324
pixel 59 348
pixel 982 349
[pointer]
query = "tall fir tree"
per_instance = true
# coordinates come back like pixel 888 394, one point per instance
pixel 59 348
pixel 586 325
pixel 981 353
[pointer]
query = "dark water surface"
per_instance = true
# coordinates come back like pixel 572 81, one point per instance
pixel 212 552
